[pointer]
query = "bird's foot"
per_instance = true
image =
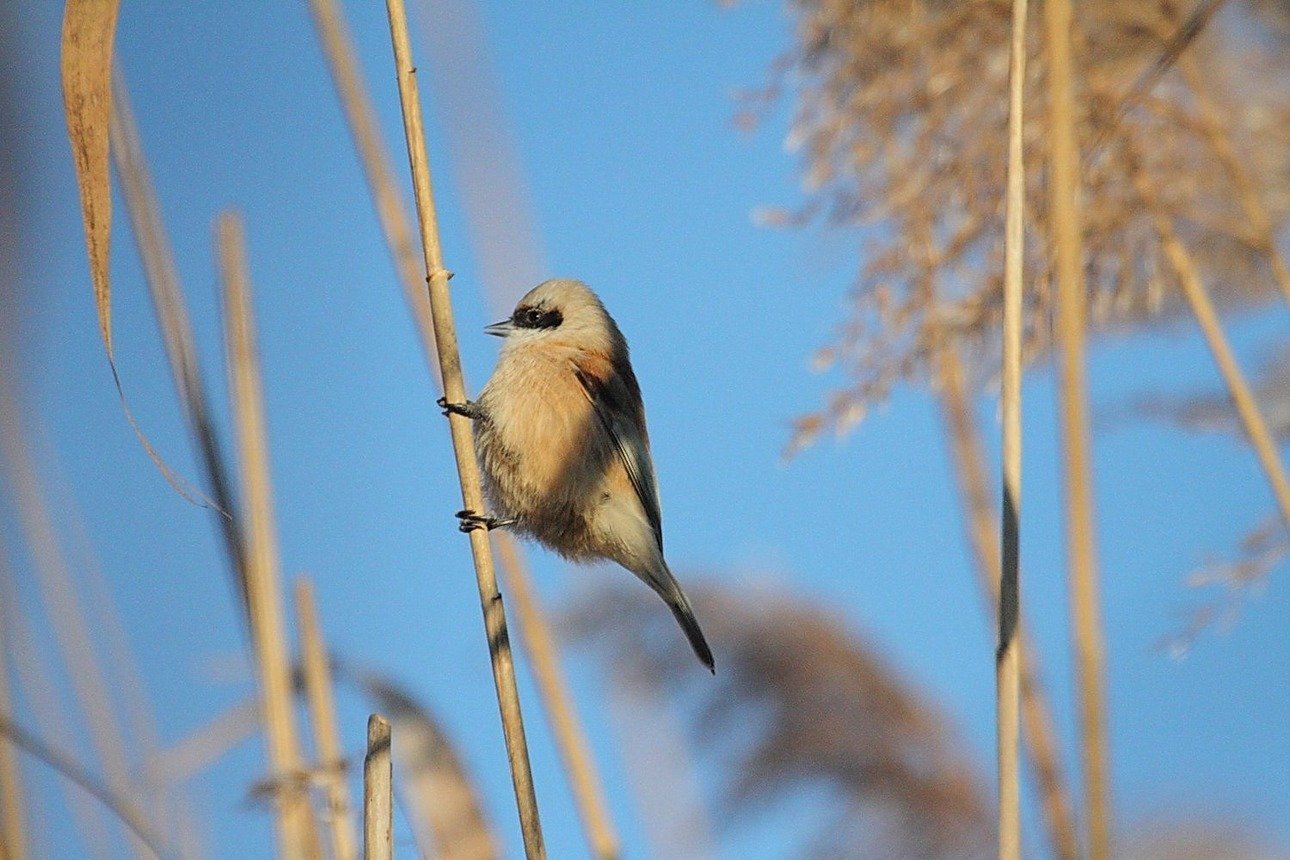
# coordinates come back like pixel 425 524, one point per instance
pixel 471 521
pixel 469 409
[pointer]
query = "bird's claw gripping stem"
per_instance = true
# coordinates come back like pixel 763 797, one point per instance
pixel 469 409
pixel 471 521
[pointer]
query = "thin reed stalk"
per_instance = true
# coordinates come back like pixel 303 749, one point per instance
pixel 1007 658
pixel 1038 732
pixel 34 677
pixel 378 792
pixel 205 745
pixel 462 440
pixel 1066 244
pixel 119 804
pixel 553 688
pixel 392 213
pixel 316 670
pixel 13 828
pixel 1202 307
pixel 162 276
pixel 391 209
pixel 296 831
pixel 62 604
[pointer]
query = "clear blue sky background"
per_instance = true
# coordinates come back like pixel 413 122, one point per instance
pixel 641 187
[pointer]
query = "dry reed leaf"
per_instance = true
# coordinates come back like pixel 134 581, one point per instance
pixel 88 30
pixel 440 798
pixel 801 706
pixel 162 276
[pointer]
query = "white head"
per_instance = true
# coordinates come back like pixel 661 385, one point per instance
pixel 561 312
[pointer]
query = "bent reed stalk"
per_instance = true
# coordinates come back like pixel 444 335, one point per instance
pixel 463 443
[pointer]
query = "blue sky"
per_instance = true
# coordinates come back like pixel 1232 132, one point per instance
pixel 641 186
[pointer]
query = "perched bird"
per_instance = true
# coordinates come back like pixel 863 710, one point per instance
pixel 560 435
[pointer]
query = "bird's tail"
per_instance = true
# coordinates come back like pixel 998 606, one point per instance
pixel 666 586
pixel 685 617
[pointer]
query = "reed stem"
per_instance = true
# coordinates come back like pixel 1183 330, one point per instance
pixel 1066 244
pixel 490 598
pixel 1038 732
pixel 1007 663
pixel 320 695
pixel 378 792
pixel 296 830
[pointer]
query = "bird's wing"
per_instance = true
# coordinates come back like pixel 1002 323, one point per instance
pixel 616 399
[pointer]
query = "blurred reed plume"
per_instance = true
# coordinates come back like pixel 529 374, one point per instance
pixel 901 114
pixel 1211 411
pixel 438 796
pixel 1267 545
pixel 802 705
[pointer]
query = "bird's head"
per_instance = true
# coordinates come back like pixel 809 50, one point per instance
pixel 561 312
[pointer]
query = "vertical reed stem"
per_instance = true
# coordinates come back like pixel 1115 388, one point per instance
pixel 378 792
pixel 490 598
pixel 571 738
pixel 1038 734
pixel 1085 604
pixel 319 693
pixel 296 831
pixel 1007 664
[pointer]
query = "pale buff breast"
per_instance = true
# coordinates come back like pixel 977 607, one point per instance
pixel 544 455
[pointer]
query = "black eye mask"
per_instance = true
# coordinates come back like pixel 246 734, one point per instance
pixel 536 318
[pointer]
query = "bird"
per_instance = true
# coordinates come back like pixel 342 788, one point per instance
pixel 560 437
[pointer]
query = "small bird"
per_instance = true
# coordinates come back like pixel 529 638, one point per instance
pixel 561 440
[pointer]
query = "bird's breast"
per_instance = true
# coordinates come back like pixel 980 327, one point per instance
pixel 541 444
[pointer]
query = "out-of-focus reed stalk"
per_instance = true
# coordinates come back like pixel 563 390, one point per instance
pixel 1202 307
pixel 1038 733
pixel 534 626
pixel 162 276
pixel 296 832
pixel 1066 242
pixel 378 792
pixel 13 830
pixel 463 442
pixel 203 746
pixel 62 607
pixel 121 805
pixel 1007 658
pixel 391 210
pixel 316 671
pixel 571 739
pixel 440 798
pixel 35 683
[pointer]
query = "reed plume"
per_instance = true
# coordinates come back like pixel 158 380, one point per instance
pixel 802 705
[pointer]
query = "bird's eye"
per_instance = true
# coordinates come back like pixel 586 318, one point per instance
pixel 533 317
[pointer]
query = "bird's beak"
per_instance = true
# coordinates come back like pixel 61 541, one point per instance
pixel 499 329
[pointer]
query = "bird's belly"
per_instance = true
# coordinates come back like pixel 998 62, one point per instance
pixel 544 464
